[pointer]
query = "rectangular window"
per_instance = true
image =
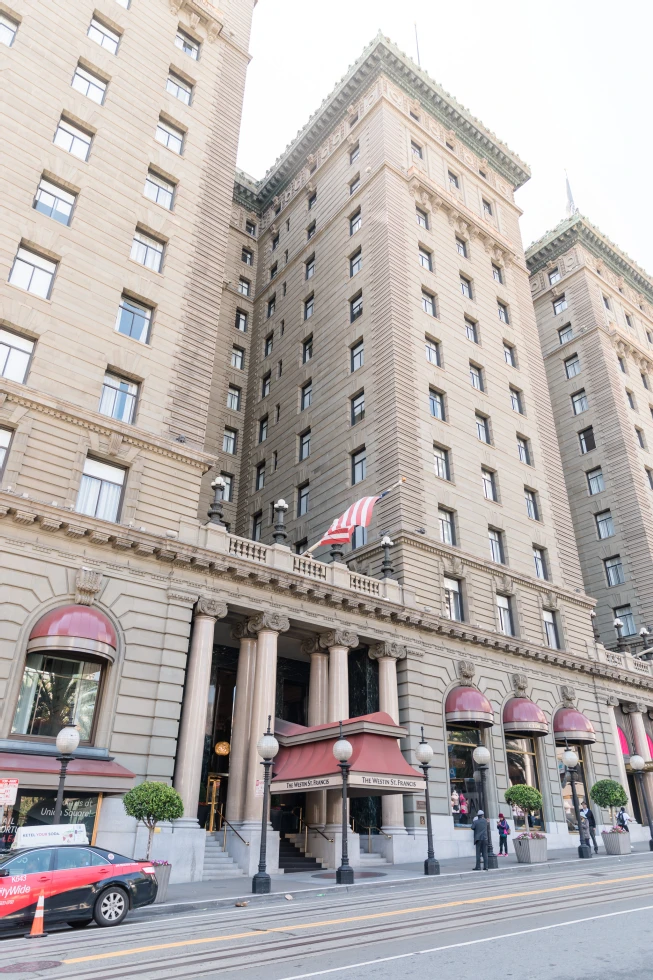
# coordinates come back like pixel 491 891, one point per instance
pixel 33 273
pixel 5 442
pixel 595 481
pixel 428 303
pixel 572 366
pixel 432 351
pixel 436 404
pixel 453 180
pixel 425 259
pixel 539 558
pixel 487 208
pixel 147 251
pixel 103 35
pixel 461 247
pixel 310 231
pixel 247 256
pixel 416 149
pixel 587 440
pixel 497 273
pixel 559 305
pixel 237 358
pixel 89 84
pixel 275 243
pixel 100 491
pixel 179 87
pixel 606 302
pixel 54 202
pixel 15 355
pixel 504 615
pixel 228 489
pixel 244 286
pixel 554 276
pixel 550 629
pixel 265 384
pixel 466 287
pixel 302 500
pixel 496 545
pixel 604 524
pixel 649 473
pixel 441 462
pixel 489 484
pixel 8 29
pixel 614 570
pixel 358 466
pixel 524 450
pixel 229 442
pixel 355 263
pixel 309 307
pixel 565 333
pixel 422 218
pixel 631 399
pixel 171 137
pixel 309 268
pixel 355 184
pixel 312 201
pixel 476 377
pixel 134 319
pixel 640 438
pixel 355 222
pixel 159 190
pixel 447 526
pixel 250 228
pixel 502 310
pixel 644 378
pixel 482 428
pixel 118 399
pixel 259 481
pixel 510 355
pixel 241 321
pixel 355 307
pixel 579 402
pixel 626 624
pixel 354 153
pixel 357 356
pixel 72 139
pixel 187 44
pixel 359 538
pixel 453 606
pixel 306 395
pixel 272 305
pixel 531 504
pixel 257 526
pixel 516 400
pixel 471 330
pixel 629 321
pixel 233 398
pixel 273 270
pixel 263 429
pixel 358 408
pixel 307 350
pixel 304 445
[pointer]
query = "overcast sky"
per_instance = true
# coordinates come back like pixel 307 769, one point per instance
pixel 566 86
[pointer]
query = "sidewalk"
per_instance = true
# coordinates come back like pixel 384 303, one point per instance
pixel 306 885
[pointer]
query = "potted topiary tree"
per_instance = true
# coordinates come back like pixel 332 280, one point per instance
pixel 609 794
pixel 530 847
pixel 151 803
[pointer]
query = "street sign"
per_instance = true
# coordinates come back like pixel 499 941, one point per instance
pixel 8 791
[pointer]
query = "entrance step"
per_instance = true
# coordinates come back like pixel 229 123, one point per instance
pixel 217 863
pixel 372 860
pixel 291 858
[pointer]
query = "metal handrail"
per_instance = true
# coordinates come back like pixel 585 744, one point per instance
pixel 307 826
pixel 369 835
pixel 224 838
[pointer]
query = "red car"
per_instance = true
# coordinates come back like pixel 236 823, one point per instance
pixel 78 884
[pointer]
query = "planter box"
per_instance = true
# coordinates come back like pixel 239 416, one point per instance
pixel 162 879
pixel 530 851
pixel 616 843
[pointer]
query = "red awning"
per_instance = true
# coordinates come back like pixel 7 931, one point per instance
pixel 42 771
pixel 570 724
pixel 467 706
pixel 74 628
pixel 521 716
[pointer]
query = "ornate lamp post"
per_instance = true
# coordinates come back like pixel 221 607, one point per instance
pixel 637 764
pixel 481 757
pixel 424 754
pixel 267 747
pixel 386 567
pixel 570 759
pixel 342 750
pixel 67 742
pixel 279 536
pixel 215 510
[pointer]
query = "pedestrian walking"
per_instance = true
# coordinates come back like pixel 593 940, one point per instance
pixel 503 828
pixel 591 822
pixel 584 829
pixel 623 819
pixel 480 828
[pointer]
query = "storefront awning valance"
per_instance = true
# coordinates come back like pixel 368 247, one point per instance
pixel 42 771
pixel 570 724
pixel 522 717
pixel 467 706
pixel 78 629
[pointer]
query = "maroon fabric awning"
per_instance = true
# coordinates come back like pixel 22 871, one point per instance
pixel 570 724
pixel 467 706
pixel 42 771
pixel 521 716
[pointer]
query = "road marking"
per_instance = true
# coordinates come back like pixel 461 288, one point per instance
pixel 354 918
pixel 470 942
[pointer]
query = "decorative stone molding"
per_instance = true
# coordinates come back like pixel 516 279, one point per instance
pixel 466 670
pixel 338 638
pixel 240 631
pixel 504 584
pixel 216 608
pixel 311 645
pixel 520 685
pixel 568 696
pixel 275 622
pixel 183 598
pixel 385 649
pixel 612 700
pixel 201 11
pixel 629 709
pixel 87 586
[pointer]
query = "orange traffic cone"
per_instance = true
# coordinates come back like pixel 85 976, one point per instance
pixel 37 924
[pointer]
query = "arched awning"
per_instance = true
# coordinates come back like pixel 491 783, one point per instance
pixel 521 716
pixel 570 724
pixel 74 629
pixel 467 706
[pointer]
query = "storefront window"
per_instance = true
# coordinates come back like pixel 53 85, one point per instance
pixel 522 770
pixel 35 808
pixel 581 786
pixel 56 691
pixel 464 781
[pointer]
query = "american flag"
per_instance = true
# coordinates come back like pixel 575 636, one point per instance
pixel 358 515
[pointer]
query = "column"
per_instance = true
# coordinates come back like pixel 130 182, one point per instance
pixel 622 775
pixel 241 722
pixel 338 643
pixel 318 709
pixel 636 712
pixel 387 655
pixel 190 746
pixel 266 626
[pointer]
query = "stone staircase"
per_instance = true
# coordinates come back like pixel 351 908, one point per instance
pixel 217 863
pixel 371 860
pixel 293 858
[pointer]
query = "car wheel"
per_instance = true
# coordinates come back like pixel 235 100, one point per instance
pixel 79 923
pixel 111 907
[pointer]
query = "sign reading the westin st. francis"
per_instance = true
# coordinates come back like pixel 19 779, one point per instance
pixel 358 780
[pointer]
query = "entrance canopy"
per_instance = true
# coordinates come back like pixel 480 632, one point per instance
pixel 306 762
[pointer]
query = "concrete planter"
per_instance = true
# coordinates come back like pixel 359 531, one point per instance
pixel 530 850
pixel 162 879
pixel 616 843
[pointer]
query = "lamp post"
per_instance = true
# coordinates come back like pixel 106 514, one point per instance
pixel 386 567
pixel 67 742
pixel 342 750
pixel 570 759
pixel 279 536
pixel 215 510
pixel 481 757
pixel 267 747
pixel 637 764
pixel 424 754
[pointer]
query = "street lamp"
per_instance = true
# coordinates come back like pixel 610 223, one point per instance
pixel 280 533
pixel 637 764
pixel 386 567
pixel 267 747
pixel 570 759
pixel 424 754
pixel 342 750
pixel 215 510
pixel 481 757
pixel 67 742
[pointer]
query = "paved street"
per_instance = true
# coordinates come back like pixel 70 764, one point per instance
pixel 548 922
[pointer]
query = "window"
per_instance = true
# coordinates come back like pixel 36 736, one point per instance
pixel 134 319
pixel 432 351
pixel 309 268
pixel 272 305
pixel 259 481
pixel 436 404
pixel 15 355
pixel 579 402
pixel 447 526
pixel 354 153
pixel 257 526
pixel 425 259
pixel 453 606
pixel 428 303
pixel 310 231
pixel 237 358
pixel 604 524
pixel 8 29
pixel 487 208
pixel 422 218
pixel 304 445
pixel 355 184
pixel 482 428
pixel 250 228
pixel 466 287
pixel 72 139
pixel 5 442
pixel 273 270
pixel 265 384
pixel 356 307
pixel 307 349
pixel 453 180
pixel 559 305
pixel 631 399
pixel 170 136
pixel 159 190
pixel 103 35
pixel 100 491
pixel 306 395
pixel 244 286
pixel 233 398
pixel 614 570
pixel 554 276
pixel 595 481
pixel 302 500
pixel 416 149
pixel 355 263
pixel 118 399
pixel 565 333
pixel 263 429
pixel 357 356
pixel 241 321
pixel 358 466
pixel 550 629
pixel 359 537
pixel 187 44
pixel 497 273
pixel 524 450
pixel 147 251
pixel 358 408
pixel 649 477
pixel 247 256
pixel 644 378
pixel 532 509
pixel 625 615
pixel 606 302
pixel 539 558
pixel 504 615
pixel 55 691
pixel 312 201
pixel 301 546
pixel 489 484
pixel 274 459
pixel 516 400
pixel 441 462
pixel 510 355
pixel 461 247
pixel 33 273
pixel 502 310
pixel 90 85
pixel 476 377
pixel 572 366
pixel 355 222
pixel 178 87
pixel 54 202
pixel 495 538
pixel 471 330
pixel 640 438
pixel 229 442
pixel 275 242
pixel 228 490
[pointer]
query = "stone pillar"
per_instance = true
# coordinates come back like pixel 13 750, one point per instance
pixel 338 643
pixel 190 746
pixel 636 712
pixel 622 775
pixel 387 655
pixel 318 709
pixel 241 723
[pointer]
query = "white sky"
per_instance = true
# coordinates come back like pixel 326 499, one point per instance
pixel 566 86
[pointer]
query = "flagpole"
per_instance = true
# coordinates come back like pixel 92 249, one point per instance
pixel 314 547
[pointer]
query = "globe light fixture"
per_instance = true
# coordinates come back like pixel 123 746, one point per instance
pixel 424 754
pixel 267 747
pixel 342 751
pixel 481 757
pixel 571 760
pixel 67 741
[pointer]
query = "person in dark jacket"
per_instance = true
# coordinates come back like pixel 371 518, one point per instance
pixel 591 821
pixel 480 827
pixel 504 829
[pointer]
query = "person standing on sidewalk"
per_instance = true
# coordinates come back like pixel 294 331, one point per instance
pixel 503 828
pixel 591 822
pixel 480 828
pixel 623 819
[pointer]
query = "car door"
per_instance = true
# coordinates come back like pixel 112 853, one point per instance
pixel 25 877
pixel 77 874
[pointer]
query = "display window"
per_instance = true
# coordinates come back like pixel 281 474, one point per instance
pixel 464 779
pixel 581 786
pixel 521 754
pixel 35 808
